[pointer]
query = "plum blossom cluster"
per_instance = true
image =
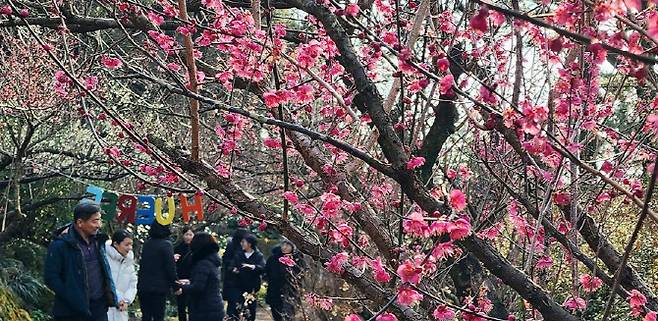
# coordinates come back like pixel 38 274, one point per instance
pixel 418 225
pixel 315 300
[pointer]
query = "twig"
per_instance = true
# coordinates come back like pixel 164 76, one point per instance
pixel 572 35
pixel 631 241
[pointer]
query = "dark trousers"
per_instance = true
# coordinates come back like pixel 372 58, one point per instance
pixel 181 301
pixel 152 306
pixel 283 310
pixel 240 307
pixel 232 309
pixel 98 309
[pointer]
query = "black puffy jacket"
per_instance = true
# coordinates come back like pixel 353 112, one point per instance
pixel 205 299
pixel 157 270
pixel 184 263
pixel 230 287
pixel 229 279
pixel 248 280
pixel 282 280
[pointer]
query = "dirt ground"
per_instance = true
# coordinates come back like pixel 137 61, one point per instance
pixel 262 314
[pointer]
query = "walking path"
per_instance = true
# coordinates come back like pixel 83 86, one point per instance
pixel 263 314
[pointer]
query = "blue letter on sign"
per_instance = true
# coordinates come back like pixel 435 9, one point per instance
pixel 145 209
pixel 97 191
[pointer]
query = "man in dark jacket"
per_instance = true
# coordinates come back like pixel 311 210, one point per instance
pixel 157 273
pixel 77 269
pixel 205 302
pixel 248 264
pixel 283 280
pixel 230 289
pixel 183 258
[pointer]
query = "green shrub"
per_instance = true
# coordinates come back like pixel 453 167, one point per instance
pixel 10 309
pixel 28 290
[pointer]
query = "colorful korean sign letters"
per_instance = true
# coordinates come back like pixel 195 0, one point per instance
pixel 144 209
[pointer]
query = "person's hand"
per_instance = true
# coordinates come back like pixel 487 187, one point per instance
pixel 176 257
pixel 123 306
pixel 183 281
pixel 178 292
pixel 250 266
pixel 235 270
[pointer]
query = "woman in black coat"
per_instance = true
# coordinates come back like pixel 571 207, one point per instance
pixel 247 265
pixel 230 288
pixel 157 273
pixel 283 281
pixel 183 266
pixel 204 298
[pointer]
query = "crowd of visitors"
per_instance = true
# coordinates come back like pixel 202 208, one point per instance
pixel 94 278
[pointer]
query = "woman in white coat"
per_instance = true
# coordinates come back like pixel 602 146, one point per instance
pixel 122 264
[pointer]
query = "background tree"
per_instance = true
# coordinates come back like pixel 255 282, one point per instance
pixel 440 157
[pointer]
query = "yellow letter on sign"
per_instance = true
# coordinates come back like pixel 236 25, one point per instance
pixel 171 211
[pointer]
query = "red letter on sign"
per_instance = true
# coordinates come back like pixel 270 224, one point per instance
pixel 187 208
pixel 127 206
